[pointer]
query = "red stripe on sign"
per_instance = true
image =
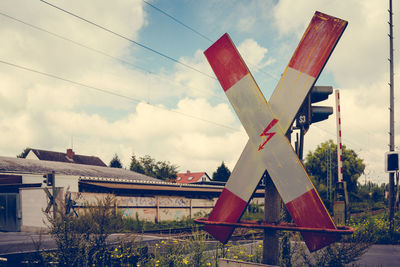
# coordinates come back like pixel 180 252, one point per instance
pixel 228 208
pixel 309 211
pixel 226 62
pixel 317 43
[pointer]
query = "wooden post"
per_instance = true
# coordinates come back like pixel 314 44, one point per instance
pixel 272 203
pixel 157 210
pixel 190 211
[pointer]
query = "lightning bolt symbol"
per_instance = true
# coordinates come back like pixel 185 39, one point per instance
pixel 267 134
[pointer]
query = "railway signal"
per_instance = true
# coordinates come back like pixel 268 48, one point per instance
pixel 48 179
pixel 309 113
pixel 392 161
pixel 266 124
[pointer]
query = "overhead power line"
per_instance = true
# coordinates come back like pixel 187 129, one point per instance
pixel 201 35
pixel 128 39
pixel 110 93
pixel 178 21
pixel 100 52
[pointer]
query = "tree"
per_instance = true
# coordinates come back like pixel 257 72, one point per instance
pixel 147 165
pixel 165 170
pixel 115 162
pixel 222 174
pixel 24 153
pixel 135 165
pixel 317 166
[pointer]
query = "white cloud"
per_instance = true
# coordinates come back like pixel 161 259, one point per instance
pixel 254 54
pixel 45 113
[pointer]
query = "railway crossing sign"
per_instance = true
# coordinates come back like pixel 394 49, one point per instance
pixel 266 124
pixel 52 199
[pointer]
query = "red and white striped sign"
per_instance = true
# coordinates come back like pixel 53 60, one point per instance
pixel 266 125
pixel 339 137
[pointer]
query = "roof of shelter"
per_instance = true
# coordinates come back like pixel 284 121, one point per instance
pixel 21 165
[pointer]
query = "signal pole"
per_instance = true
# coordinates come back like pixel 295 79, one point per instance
pixel 391 110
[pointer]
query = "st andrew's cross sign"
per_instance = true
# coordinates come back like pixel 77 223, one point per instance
pixel 266 124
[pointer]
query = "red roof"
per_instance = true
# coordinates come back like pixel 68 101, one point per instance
pixel 189 177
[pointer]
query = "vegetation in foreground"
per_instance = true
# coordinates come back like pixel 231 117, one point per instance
pixel 82 242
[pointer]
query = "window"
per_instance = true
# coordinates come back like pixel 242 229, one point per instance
pixel 178 178
pixel 190 178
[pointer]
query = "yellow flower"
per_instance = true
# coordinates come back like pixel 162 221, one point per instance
pixel 162 242
pixel 228 250
pixel 157 261
pixel 175 241
pixel 260 246
pixel 208 264
pixel 185 261
pixel 235 257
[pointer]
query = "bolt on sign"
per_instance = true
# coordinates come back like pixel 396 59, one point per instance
pixel 266 124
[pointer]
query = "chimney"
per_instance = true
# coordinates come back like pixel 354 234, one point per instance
pixel 187 172
pixel 70 153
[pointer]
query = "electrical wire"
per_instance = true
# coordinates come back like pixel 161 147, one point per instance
pixel 202 35
pixel 178 21
pixel 347 141
pixel 128 39
pixel 111 93
pixel 101 52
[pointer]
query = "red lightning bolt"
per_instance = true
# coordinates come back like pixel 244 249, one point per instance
pixel 267 134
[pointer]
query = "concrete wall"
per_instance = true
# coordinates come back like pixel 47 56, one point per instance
pixel 151 208
pixel 154 208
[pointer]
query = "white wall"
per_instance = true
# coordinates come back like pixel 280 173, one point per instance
pixel 33 201
pixel 65 181
pixel 31 155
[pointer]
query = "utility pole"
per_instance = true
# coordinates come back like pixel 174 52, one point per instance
pixel 391 109
pixel 272 204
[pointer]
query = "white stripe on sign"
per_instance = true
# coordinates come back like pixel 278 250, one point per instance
pixel 277 154
pixel 291 90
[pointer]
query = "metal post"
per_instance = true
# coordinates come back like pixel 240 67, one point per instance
pixel 272 203
pixel 301 145
pixel 391 108
pixel 53 188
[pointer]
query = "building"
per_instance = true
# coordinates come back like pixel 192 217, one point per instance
pixel 22 198
pixel 69 157
pixel 192 177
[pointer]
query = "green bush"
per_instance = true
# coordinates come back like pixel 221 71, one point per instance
pixel 378 226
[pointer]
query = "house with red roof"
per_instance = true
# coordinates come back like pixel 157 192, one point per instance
pixel 192 177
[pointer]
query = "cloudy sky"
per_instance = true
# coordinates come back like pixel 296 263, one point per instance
pixel 143 85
